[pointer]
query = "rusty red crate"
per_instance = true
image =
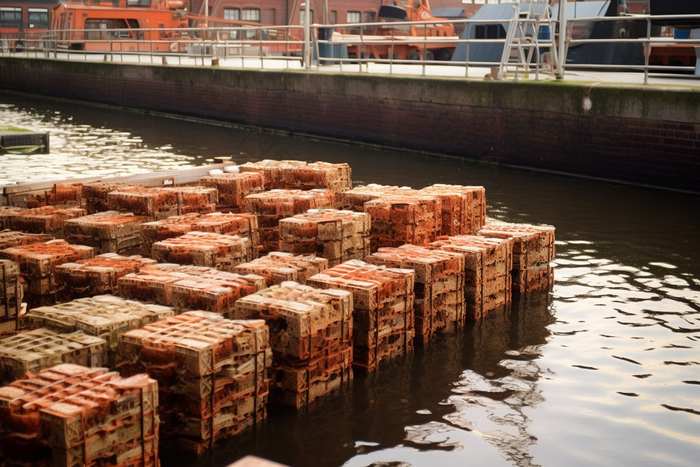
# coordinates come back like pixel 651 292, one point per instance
pixel 67 194
pixel 233 188
pixel 10 238
pixel 163 202
pixel 6 215
pixel 383 308
pixel 463 207
pixel 335 235
pixel 11 290
pixel 94 194
pixel 487 278
pixel 46 219
pixel 355 198
pixel 439 286
pixel 277 267
pixel 38 349
pixel 203 249
pixel 71 415
pixel 333 177
pixel 271 206
pixel 106 232
pixel 404 219
pixel 98 275
pixel 271 171
pixel 212 374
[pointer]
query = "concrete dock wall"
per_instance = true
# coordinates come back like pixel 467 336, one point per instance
pixel 646 135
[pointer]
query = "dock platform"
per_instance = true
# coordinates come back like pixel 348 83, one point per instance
pixel 28 142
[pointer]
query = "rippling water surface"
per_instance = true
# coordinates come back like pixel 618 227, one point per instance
pixel 605 370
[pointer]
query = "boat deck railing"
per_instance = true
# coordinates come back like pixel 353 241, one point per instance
pixel 349 47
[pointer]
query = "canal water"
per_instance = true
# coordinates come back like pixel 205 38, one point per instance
pixel 603 371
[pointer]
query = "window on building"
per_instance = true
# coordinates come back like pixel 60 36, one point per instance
pixel 368 17
pixel 251 14
pixel 334 17
pixel 303 15
pixel 353 16
pixel 233 14
pixel 10 17
pixel 38 18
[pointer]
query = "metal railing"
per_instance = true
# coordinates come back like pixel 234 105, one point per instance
pixel 343 47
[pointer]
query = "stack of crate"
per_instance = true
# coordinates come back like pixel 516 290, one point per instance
pixel 106 232
pixel 10 238
pixel 487 279
pixel 66 194
pixel 203 249
pixel 233 188
pixel 11 291
pixel 38 349
pixel 399 219
pixel 463 207
pixel 70 415
pixel 97 276
pixel 211 371
pixel 95 194
pixel 38 263
pixel 241 224
pixel 46 219
pixel 338 236
pixel 355 199
pixel 271 171
pixel 333 177
pixel 104 316
pixel 439 287
pixel 271 206
pixel 310 336
pixel 161 203
pixel 278 267
pixel 190 287
pixel 6 215
pixel 383 319
pixel 533 249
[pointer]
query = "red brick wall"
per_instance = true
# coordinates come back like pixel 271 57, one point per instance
pixel 538 125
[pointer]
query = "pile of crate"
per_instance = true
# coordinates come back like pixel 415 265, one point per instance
pixel 161 203
pixel 11 291
pixel 106 232
pixel 338 236
pixel 66 194
pixel 104 316
pixel 241 224
pixel 355 199
pixel 333 177
pixel 6 215
pixel 272 206
pixel 190 287
pixel 46 219
pixel 211 371
pixel 70 415
pixel 233 188
pixel 38 349
pixel 383 298
pixel 94 194
pixel 98 275
pixel 310 336
pixel 278 267
pixel 463 207
pixel 439 286
pixel 408 218
pixel 533 249
pixel 487 278
pixel 10 238
pixel 38 263
pixel 204 249
pixel 270 170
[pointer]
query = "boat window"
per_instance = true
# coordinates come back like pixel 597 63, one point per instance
pixel 489 31
pixel 38 18
pixel 133 23
pixel 10 17
pixel 139 3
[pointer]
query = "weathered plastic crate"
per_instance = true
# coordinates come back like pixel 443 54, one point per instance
pixel 233 188
pixel 71 415
pixel 10 238
pixel 6 215
pixel 95 194
pixel 439 286
pixel 404 219
pixel 277 267
pixel 11 290
pixel 59 194
pixel 383 300
pixel 355 199
pixel 47 219
pixel 335 235
pixel 271 171
pixel 463 207
pixel 98 275
pixel 163 202
pixel 38 349
pixel 106 232
pixel 203 249
pixel 333 177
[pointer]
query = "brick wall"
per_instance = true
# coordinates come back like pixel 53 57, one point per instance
pixel 639 135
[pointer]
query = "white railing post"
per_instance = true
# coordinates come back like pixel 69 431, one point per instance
pixel 562 39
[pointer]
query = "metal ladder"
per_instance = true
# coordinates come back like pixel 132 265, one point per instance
pixel 523 48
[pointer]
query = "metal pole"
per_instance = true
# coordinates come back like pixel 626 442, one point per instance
pixel 647 52
pixel 307 35
pixel 562 38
